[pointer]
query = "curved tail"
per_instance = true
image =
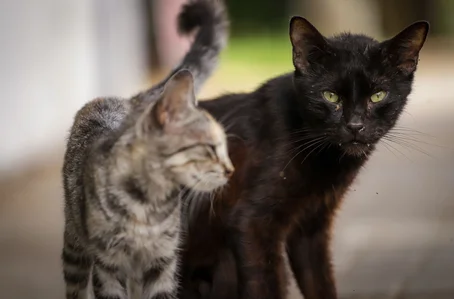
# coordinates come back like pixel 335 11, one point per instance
pixel 211 20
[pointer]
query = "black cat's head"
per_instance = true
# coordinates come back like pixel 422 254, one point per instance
pixel 351 87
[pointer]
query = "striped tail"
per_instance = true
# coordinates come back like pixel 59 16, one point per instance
pixel 211 19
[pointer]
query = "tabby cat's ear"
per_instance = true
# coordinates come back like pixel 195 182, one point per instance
pixel 306 41
pixel 403 49
pixel 177 99
pixel 173 107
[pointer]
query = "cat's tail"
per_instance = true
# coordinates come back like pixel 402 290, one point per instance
pixel 210 19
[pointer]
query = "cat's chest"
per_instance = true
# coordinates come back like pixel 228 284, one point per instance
pixel 315 187
pixel 145 226
pixel 139 238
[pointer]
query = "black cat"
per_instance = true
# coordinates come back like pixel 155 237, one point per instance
pixel 298 143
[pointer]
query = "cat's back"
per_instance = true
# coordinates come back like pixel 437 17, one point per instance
pixel 95 120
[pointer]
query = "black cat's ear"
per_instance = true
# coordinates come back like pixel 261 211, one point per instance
pixel 403 49
pixel 174 105
pixel 306 41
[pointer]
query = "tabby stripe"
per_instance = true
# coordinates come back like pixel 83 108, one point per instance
pixel 185 148
pixel 76 278
pixel 99 243
pixel 104 266
pixel 156 269
pixel 98 286
pixel 164 296
pixel 68 244
pixel 72 295
pixel 171 233
pixel 166 211
pixel 133 188
pixel 76 259
pixel 104 242
pixel 113 202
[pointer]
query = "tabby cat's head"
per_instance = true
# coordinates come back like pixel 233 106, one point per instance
pixel 184 140
pixel 352 87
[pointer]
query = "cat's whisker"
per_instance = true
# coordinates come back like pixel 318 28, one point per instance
pixel 410 131
pixel 409 146
pixel 309 145
pixel 227 127
pixel 325 145
pixel 384 140
pixel 232 113
pixel 212 197
pixel 319 145
pixel 302 131
pixel 230 135
pixel 297 139
pixel 412 139
pixel 343 155
pixel 312 140
pixel 388 148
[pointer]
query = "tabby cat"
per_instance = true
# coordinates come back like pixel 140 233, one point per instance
pixel 125 164
pixel 302 139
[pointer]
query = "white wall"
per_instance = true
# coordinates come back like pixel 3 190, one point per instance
pixel 55 55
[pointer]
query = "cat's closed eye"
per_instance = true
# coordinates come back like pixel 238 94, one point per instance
pixel 211 150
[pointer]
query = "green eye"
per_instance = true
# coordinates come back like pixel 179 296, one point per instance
pixel 377 97
pixel 331 96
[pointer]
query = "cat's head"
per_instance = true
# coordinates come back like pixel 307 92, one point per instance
pixel 186 142
pixel 351 87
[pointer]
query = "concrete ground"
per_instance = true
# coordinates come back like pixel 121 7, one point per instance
pixel 394 237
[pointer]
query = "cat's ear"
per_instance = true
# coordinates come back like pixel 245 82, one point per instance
pixel 174 105
pixel 177 99
pixel 306 41
pixel 403 49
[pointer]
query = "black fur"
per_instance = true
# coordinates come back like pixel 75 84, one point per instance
pixel 295 155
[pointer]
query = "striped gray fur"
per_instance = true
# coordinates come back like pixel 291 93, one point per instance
pixel 122 183
pixel 124 164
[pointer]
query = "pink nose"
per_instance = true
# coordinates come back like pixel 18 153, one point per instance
pixel 228 171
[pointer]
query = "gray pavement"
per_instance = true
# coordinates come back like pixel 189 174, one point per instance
pixel 394 237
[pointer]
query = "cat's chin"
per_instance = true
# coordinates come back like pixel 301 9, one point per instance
pixel 356 149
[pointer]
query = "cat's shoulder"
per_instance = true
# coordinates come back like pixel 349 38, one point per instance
pixel 99 107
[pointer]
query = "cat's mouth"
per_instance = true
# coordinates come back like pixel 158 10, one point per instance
pixel 356 148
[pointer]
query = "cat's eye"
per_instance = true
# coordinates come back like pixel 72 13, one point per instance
pixel 379 96
pixel 331 97
pixel 211 149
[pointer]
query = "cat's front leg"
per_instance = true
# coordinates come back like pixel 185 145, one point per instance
pixel 108 281
pixel 261 272
pixel 310 260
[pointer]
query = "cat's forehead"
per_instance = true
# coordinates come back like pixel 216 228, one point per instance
pixel 353 43
pixel 214 129
pixel 206 129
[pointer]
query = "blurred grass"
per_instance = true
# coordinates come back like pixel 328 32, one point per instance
pixel 248 62
pixel 272 53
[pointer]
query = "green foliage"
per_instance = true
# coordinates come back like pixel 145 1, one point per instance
pixel 270 53
pixel 257 16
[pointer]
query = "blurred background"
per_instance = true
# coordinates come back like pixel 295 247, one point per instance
pixel 394 237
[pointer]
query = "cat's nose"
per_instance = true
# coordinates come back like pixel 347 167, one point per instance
pixel 228 170
pixel 355 127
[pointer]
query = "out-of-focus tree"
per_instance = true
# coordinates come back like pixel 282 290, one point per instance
pixel 444 18
pixel 258 16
